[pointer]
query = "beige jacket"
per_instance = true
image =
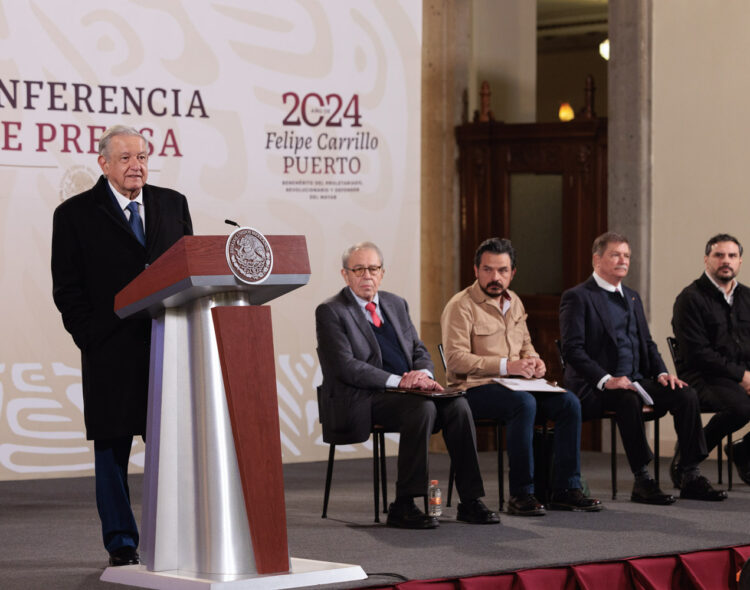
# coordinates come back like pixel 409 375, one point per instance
pixel 476 336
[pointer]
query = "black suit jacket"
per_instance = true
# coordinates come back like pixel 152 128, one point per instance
pixel 94 255
pixel 714 337
pixel 352 364
pixel 589 343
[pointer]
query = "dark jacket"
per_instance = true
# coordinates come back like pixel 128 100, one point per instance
pixel 713 337
pixel 589 342
pixel 94 255
pixel 352 364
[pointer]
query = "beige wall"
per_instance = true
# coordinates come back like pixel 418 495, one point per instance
pixel 504 53
pixel 699 142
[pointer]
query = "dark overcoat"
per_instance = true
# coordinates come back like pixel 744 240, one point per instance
pixel 94 255
pixel 589 341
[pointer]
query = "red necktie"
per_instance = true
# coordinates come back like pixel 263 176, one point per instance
pixel 375 319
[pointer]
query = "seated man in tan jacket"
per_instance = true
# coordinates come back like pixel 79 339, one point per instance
pixel 485 337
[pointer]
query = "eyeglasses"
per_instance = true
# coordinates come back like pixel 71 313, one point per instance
pixel 359 271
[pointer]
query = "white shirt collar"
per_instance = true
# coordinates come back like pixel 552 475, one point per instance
pixel 362 302
pixel 607 286
pixel 123 201
pixel 728 297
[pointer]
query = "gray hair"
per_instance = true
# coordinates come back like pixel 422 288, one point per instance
pixel 360 246
pixel 118 130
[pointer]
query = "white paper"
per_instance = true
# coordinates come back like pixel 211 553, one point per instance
pixel 647 399
pixel 529 384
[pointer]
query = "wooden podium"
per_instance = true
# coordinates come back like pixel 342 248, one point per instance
pixel 213 507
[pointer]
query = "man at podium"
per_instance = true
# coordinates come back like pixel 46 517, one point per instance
pixel 368 348
pixel 101 240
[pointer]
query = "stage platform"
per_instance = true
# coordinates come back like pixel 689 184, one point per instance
pixel 51 539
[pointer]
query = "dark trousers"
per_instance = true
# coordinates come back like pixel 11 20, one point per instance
pixel 111 458
pixel 416 418
pixel 732 403
pixel 519 410
pixel 628 407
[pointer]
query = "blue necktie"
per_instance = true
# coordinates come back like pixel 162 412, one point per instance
pixel 136 224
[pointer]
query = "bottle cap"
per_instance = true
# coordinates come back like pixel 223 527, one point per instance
pixel 434 482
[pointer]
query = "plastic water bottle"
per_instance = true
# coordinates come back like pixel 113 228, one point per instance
pixel 435 500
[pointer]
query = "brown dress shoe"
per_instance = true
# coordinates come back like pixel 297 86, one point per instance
pixel 525 505
pixel 574 500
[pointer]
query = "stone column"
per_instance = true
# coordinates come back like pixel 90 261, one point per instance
pixel 629 141
pixel 446 49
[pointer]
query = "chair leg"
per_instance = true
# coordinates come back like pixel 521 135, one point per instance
pixel 719 463
pixel 383 476
pixel 376 475
pixel 613 456
pixel 500 466
pixel 656 450
pixel 329 474
pixel 730 461
pixel 451 477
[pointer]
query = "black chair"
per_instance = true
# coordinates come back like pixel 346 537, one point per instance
pixel 379 474
pixel 648 415
pixel 499 428
pixel 707 408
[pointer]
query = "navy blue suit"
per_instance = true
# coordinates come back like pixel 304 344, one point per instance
pixel 589 347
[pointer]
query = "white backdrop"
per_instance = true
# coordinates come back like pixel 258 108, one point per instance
pixel 294 117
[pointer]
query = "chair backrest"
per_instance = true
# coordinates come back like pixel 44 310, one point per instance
pixel 559 352
pixel 674 350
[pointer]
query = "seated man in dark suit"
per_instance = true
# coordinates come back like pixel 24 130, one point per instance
pixel 711 322
pixel 367 345
pixel 612 363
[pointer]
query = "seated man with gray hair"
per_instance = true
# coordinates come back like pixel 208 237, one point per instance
pixel 368 347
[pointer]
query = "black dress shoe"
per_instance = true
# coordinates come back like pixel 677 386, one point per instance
pixel 475 512
pixel 699 488
pixel 573 500
pixel 675 471
pixel 525 505
pixel 124 556
pixel 646 491
pixel 741 460
pixel 408 516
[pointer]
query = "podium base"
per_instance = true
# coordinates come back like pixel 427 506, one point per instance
pixel 304 572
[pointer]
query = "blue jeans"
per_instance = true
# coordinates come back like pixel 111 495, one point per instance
pixel 519 410
pixel 111 458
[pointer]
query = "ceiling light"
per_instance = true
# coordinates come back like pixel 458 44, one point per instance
pixel 604 49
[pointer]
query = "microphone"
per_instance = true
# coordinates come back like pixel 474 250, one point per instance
pixel 230 222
